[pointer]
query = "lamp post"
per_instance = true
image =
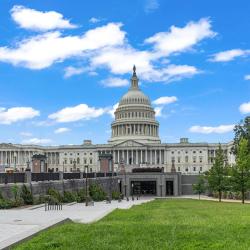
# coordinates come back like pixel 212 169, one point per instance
pixel 132 185
pixel 74 165
pixel 86 186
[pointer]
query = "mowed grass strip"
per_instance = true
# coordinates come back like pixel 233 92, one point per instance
pixel 160 224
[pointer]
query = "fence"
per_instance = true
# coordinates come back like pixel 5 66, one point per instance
pixel 35 177
pixel 12 178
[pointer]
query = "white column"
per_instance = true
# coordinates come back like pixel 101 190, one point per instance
pixel 136 157
pixel 160 156
pixel 146 155
pixel 127 157
pixel 118 157
pixel 141 156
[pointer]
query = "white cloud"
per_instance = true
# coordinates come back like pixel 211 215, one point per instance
pixel 38 20
pixel 229 55
pixel 26 134
pixel 247 77
pixel 165 100
pixel 30 53
pixel 208 130
pixel 94 20
pixel 77 113
pixel 36 141
pixel 71 71
pixel 115 82
pixel 113 109
pixel 11 115
pixel 151 5
pixel 245 108
pixel 158 111
pixel 61 130
pixel 181 39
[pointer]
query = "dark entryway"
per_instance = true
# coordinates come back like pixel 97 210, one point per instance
pixel 169 188
pixel 143 187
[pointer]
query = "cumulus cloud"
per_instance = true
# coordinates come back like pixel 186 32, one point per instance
pixel 113 109
pixel 61 130
pixel 77 113
pixel 181 39
pixel 245 108
pixel 29 52
pixel 229 55
pixel 36 141
pixel 165 100
pixel 247 77
pixel 11 115
pixel 38 20
pixel 209 130
pixel 71 71
pixel 158 111
pixel 151 5
pixel 94 20
pixel 115 82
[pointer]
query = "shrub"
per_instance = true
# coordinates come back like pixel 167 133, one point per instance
pixel 97 193
pixel 55 195
pixel 69 196
pixel 15 192
pixel 5 204
pixel 116 195
pixel 26 195
pixel 81 195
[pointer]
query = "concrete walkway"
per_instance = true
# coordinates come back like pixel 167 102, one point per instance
pixel 19 224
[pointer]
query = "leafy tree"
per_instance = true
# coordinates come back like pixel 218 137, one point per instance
pixel 217 176
pixel 242 130
pixel 241 171
pixel 200 186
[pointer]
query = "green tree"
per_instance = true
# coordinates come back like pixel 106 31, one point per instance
pixel 241 171
pixel 200 186
pixel 242 130
pixel 217 175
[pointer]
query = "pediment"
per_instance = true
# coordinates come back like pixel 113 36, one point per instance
pixel 129 143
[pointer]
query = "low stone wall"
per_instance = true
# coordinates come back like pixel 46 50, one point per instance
pixel 187 182
pixel 41 187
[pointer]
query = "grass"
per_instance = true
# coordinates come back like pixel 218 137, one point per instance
pixel 161 224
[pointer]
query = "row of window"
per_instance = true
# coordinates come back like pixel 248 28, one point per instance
pixel 77 153
pixel 194 169
pixel 135 114
pixel 77 161
pixel 195 158
pixel 194 152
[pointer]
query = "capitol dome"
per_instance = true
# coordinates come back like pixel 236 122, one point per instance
pixel 135 117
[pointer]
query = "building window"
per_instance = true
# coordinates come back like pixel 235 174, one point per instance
pixel 90 153
pixel 179 169
pixel 194 168
pixel 85 161
pixel 186 159
pixel 172 152
pixel 200 168
pixel 200 152
pixel 179 159
pixel 194 152
pixel 71 161
pixel 194 159
pixel 200 159
pixel 90 161
pixel 78 160
pixel 186 169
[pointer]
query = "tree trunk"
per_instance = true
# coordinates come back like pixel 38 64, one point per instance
pixel 243 197
pixel 199 195
pixel 219 196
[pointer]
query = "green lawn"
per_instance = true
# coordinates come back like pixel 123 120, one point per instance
pixel 161 224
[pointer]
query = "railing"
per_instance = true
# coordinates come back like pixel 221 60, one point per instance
pixel 12 178
pixel 22 178
pixel 44 176
pixel 69 176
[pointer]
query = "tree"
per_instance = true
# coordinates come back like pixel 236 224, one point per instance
pixel 217 176
pixel 242 130
pixel 241 171
pixel 200 186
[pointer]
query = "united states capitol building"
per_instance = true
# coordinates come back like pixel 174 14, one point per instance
pixel 134 143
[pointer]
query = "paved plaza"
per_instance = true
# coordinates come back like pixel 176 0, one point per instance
pixel 17 224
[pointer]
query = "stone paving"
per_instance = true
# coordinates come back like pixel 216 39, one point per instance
pixel 18 224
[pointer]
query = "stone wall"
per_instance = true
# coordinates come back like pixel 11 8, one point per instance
pixel 187 182
pixel 41 187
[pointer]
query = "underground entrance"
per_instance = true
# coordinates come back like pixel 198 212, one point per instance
pixel 143 187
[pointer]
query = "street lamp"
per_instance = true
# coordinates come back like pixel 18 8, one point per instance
pixel 132 191
pixel 28 166
pixel 86 186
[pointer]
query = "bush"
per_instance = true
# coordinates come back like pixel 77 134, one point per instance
pixel 69 196
pixel 15 192
pixel 81 195
pixel 97 193
pixel 116 195
pixel 26 195
pixel 5 204
pixel 55 195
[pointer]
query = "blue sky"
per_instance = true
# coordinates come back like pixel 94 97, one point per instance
pixel 64 65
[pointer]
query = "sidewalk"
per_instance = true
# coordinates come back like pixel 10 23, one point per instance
pixel 204 197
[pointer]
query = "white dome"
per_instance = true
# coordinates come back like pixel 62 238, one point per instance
pixel 135 96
